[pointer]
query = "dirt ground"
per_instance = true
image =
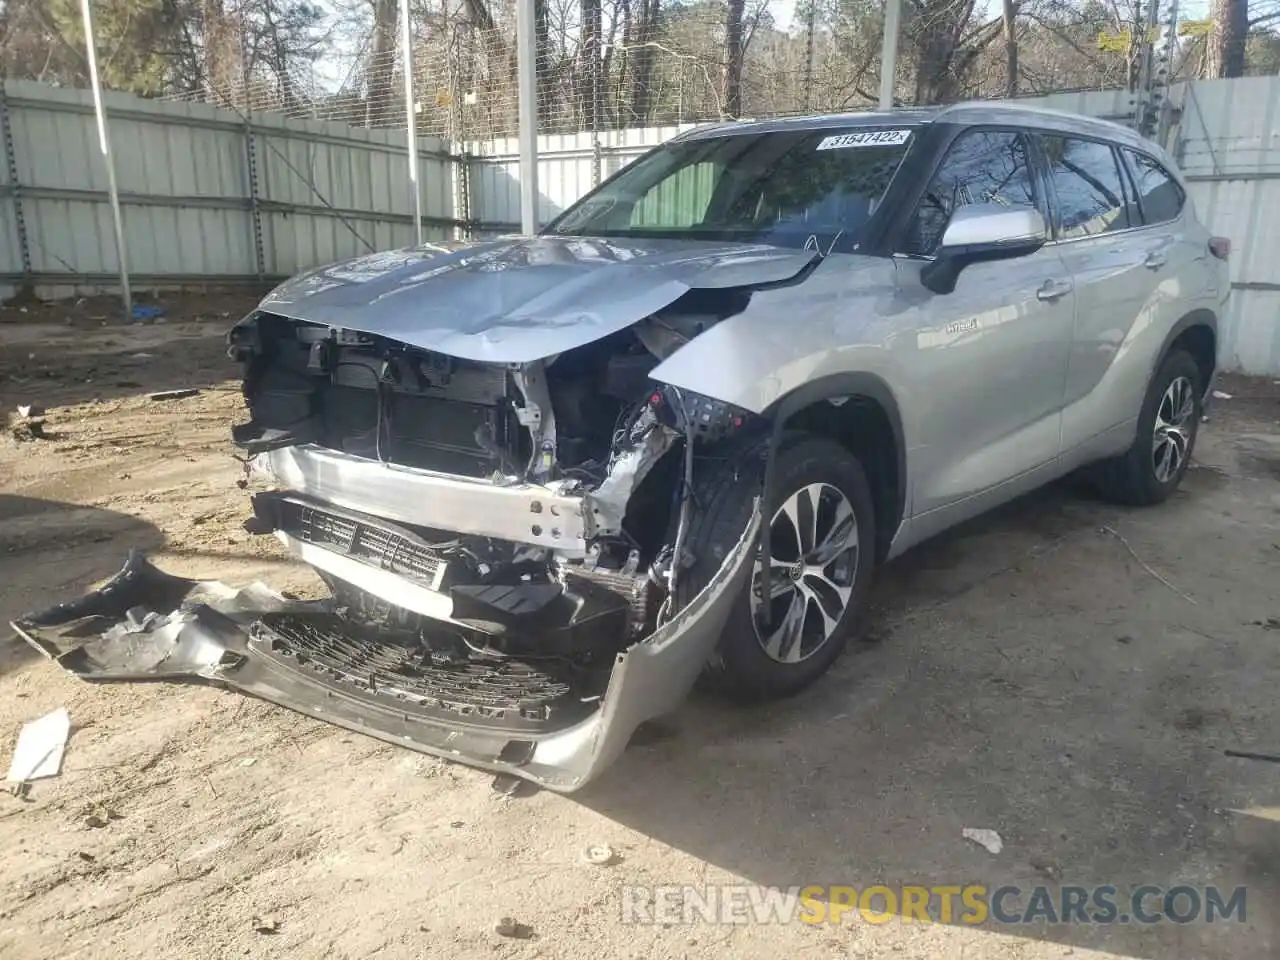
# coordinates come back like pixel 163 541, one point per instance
pixel 1031 674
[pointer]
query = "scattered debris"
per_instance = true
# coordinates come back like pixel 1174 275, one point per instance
pixel 24 431
pixel 599 855
pixel 99 816
pixel 86 857
pixel 510 927
pixel 1047 868
pixel 1221 395
pixel 142 311
pixel 1250 755
pixel 1145 566
pixel 983 837
pixel 140 356
pixel 173 394
pixel 29 410
pixel 509 786
pixel 248 761
pixel 457 824
pixel 1271 623
pixel 265 923
pixel 40 746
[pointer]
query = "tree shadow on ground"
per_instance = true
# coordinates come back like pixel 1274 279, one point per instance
pixel 51 551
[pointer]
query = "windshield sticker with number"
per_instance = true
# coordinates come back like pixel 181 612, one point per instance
pixel 866 138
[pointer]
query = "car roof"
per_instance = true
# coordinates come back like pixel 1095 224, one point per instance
pixel 976 112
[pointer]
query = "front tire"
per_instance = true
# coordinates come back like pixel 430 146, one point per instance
pixel 1167 426
pixel 823 552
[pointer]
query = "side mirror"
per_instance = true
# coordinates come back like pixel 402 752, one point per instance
pixel 983 231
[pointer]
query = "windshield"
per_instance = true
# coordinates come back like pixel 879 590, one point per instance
pixel 805 188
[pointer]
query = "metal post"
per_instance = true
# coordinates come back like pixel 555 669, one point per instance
pixel 889 52
pixel 15 188
pixel 527 75
pixel 104 141
pixel 255 204
pixel 412 120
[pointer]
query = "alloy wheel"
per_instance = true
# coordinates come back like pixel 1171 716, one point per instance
pixel 1172 439
pixel 814 546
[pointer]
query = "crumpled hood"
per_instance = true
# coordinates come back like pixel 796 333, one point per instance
pixel 521 299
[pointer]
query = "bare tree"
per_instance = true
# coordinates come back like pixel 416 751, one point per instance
pixel 381 61
pixel 1010 48
pixel 1225 54
pixel 733 52
pixel 589 64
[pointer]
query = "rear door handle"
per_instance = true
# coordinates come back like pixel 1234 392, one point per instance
pixel 1053 289
pixel 1155 260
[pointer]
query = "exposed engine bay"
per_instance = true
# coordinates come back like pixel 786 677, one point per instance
pixel 543 611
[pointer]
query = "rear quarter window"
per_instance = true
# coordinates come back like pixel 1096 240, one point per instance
pixel 1159 195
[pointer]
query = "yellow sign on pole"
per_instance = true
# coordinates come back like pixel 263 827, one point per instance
pixel 1121 41
pixel 1114 42
pixel 1195 28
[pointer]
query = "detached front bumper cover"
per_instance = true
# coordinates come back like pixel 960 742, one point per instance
pixel 145 624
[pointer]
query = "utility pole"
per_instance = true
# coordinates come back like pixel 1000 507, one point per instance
pixel 411 121
pixel 527 78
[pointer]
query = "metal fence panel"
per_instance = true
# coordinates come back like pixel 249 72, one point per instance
pixel 180 170
pixel 569 165
pixel 1114 105
pixel 322 191
pixel 1227 142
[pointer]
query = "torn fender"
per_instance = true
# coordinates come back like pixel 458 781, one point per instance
pixel 144 624
pixel 845 317
pixel 522 299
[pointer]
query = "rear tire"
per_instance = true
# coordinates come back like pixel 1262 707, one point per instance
pixel 1167 426
pixel 818 591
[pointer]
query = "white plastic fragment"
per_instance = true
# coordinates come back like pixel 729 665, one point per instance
pixel 1221 395
pixel 599 855
pixel 988 839
pixel 41 744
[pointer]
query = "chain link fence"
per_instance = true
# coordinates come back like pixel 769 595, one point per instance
pixel 622 72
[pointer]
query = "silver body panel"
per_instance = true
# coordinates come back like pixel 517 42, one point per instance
pixel 521 299
pixel 524 512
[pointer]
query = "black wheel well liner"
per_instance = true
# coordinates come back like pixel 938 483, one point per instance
pixel 865 421
pixel 1197 333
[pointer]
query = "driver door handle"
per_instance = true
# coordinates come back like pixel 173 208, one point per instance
pixel 1155 260
pixel 1053 289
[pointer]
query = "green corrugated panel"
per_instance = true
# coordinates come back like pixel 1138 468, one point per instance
pixel 679 201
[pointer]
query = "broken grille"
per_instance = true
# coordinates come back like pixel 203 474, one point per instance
pixel 484 691
pixel 371 543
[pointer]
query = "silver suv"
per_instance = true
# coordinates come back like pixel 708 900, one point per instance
pixel 550 481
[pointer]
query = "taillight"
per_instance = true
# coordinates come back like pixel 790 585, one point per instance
pixel 1220 247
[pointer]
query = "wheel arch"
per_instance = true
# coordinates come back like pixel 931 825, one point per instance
pixel 859 411
pixel 1197 333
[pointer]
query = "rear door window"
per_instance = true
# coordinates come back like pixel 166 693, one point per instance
pixel 1158 193
pixel 1086 180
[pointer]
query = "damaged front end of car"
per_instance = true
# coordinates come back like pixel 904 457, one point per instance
pixel 496 490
